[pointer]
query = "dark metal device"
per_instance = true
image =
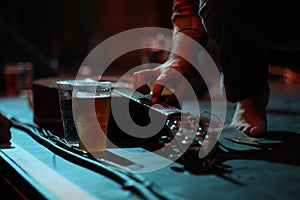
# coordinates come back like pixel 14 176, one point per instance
pixel 139 107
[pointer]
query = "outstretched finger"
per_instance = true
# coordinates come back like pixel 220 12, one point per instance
pixel 156 93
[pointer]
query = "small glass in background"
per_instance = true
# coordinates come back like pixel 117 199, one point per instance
pixel 157 49
pixel 18 78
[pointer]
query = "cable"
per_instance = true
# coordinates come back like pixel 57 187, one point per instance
pixel 143 187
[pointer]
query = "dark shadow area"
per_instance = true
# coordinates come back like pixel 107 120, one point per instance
pixel 278 111
pixel 285 152
pixel 277 147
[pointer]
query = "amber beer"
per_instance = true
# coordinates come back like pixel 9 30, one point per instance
pixel 91 120
pixel 11 80
pixel 18 78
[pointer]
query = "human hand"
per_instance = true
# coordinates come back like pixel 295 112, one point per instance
pixel 170 74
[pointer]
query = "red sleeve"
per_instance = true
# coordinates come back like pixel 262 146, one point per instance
pixel 186 17
pixel 185 8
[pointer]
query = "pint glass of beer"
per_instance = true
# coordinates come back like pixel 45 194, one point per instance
pixel 91 110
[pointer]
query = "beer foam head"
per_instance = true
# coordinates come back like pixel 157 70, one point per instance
pixel 91 88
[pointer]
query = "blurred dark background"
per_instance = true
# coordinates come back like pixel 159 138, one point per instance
pixel 56 35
